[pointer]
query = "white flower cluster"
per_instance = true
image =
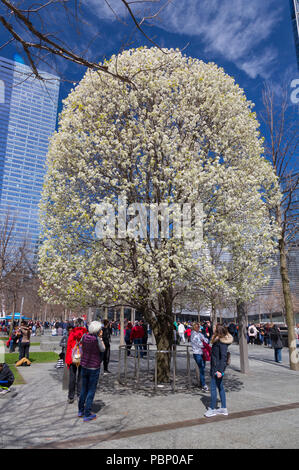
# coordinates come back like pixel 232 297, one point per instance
pixel 183 131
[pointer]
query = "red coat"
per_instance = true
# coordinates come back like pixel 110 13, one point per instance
pixel 137 332
pixel 74 336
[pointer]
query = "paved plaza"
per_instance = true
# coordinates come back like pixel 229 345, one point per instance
pixel 263 409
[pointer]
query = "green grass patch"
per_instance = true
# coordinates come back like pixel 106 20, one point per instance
pixel 34 357
pixel 19 380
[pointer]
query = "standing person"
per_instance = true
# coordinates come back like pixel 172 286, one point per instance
pixel 106 340
pixel 297 335
pixel 207 330
pixel 145 337
pixel 64 340
pixel 197 340
pixel 188 333
pixel 127 338
pixel 75 336
pixel 221 339
pixel 92 349
pixel 276 341
pixel 252 333
pixel 136 336
pixel 25 341
pixel 181 332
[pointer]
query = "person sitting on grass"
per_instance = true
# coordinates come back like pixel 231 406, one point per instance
pixel 6 378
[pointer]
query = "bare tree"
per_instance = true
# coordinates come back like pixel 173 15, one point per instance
pixel 30 28
pixel 12 256
pixel 282 147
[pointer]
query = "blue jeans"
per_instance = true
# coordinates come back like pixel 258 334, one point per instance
pixel 138 345
pixel 201 365
pixel 89 382
pixel 277 354
pixel 217 383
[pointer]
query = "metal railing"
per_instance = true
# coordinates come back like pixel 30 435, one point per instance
pixel 154 352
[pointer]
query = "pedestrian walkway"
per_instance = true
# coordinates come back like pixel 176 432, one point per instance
pixel 263 411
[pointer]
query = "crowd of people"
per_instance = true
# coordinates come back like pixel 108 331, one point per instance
pixel 85 347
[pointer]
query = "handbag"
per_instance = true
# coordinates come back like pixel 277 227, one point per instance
pixel 206 352
pixel 76 354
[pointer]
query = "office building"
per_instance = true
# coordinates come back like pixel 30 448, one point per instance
pixel 28 112
pixel 294 5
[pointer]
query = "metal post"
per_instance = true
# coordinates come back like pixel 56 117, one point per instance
pixel 174 369
pixel 147 353
pixel 122 326
pixel 119 358
pixel 188 368
pixel 138 368
pixel 156 372
pixel 126 363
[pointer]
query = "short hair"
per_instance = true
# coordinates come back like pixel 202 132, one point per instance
pixel 79 322
pixel 94 327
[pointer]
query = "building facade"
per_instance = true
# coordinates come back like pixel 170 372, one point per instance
pixel 28 113
pixel 294 4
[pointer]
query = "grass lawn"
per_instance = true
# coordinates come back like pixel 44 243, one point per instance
pixel 18 377
pixel 5 339
pixel 34 357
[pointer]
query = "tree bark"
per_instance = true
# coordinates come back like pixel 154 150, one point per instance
pixel 163 331
pixel 243 346
pixel 289 311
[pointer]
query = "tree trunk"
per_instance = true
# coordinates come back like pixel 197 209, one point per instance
pixel 122 326
pixel 289 312
pixel 243 346
pixel 12 317
pixel 163 331
pixel 214 314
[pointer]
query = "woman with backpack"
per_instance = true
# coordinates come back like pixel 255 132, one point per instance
pixel 197 342
pixel 74 338
pixel 252 333
pixel 92 352
pixel 219 357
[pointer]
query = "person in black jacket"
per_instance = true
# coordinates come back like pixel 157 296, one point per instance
pixel 6 378
pixel 106 340
pixel 220 341
pixel 276 342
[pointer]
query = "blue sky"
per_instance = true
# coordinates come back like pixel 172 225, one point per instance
pixel 252 40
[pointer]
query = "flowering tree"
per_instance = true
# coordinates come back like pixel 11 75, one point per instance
pixel 184 134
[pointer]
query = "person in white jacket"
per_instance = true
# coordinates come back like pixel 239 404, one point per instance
pixel 181 332
pixel 252 333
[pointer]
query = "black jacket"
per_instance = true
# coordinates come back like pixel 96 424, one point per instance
pixel 219 354
pixel 106 336
pixel 6 376
pixel 275 336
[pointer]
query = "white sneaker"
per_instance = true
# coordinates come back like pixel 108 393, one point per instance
pixel 205 388
pixel 210 413
pixel 222 411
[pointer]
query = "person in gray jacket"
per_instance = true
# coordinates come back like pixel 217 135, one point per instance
pixel 197 343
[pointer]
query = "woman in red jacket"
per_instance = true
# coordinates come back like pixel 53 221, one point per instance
pixel 75 335
pixel 136 337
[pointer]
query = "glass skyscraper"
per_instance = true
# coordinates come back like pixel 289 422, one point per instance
pixel 28 111
pixel 294 4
